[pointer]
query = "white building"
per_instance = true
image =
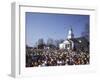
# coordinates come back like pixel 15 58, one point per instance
pixel 80 43
pixel 68 43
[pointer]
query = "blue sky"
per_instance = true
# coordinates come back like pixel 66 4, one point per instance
pixel 55 26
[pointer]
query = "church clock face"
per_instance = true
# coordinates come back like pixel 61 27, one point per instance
pixel 56 39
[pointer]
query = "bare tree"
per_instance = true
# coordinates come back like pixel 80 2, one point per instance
pixel 41 43
pixel 57 42
pixel 50 43
pixel 85 33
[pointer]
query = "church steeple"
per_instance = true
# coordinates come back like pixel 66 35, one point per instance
pixel 70 34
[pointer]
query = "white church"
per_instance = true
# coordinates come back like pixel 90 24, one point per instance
pixel 71 42
pixel 68 43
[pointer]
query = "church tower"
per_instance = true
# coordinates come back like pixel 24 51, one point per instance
pixel 70 34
